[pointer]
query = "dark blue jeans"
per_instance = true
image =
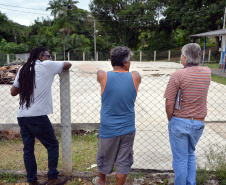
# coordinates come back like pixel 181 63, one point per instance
pixel 41 128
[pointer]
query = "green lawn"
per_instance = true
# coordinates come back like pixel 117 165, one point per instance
pixel 210 65
pixel 219 79
pixel 84 148
pixel 215 78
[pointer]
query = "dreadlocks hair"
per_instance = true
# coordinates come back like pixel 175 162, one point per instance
pixel 27 78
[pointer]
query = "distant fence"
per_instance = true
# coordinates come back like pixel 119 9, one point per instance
pixel 77 103
pixel 167 55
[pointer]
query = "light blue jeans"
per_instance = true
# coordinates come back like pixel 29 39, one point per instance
pixel 184 134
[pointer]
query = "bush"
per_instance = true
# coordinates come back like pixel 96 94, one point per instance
pixel 216 162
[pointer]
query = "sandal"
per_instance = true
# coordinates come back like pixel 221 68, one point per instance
pixel 94 181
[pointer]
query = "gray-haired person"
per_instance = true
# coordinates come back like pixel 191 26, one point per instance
pixel 186 124
pixel 117 123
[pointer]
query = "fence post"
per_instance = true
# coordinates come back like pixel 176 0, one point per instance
pixel 8 59
pixel 209 56
pixel 140 56
pixel 16 57
pixel 169 55
pixel 54 56
pixel 84 56
pixel 65 122
pixel 68 56
pixel 26 57
pixel 97 56
pixel 154 55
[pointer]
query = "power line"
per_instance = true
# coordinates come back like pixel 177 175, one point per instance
pixel 100 14
pixel 22 7
pixel 145 17
pixel 69 6
pixel 23 11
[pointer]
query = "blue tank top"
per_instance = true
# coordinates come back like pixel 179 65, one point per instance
pixel 117 116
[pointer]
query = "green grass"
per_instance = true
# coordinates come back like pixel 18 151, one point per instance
pixel 210 65
pixel 219 79
pixel 84 148
pixel 202 176
pixel 216 162
pixel 139 175
pixel 207 45
pixel 215 78
pixel 9 178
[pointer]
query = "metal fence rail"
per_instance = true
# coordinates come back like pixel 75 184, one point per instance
pixel 151 147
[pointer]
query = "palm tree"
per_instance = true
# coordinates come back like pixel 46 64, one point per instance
pixel 62 10
pixel 60 7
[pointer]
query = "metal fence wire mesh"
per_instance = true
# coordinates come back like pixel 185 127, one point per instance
pixel 151 147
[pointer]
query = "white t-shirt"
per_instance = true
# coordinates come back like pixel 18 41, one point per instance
pixel 44 75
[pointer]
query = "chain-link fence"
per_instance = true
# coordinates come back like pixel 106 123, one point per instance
pixel 151 147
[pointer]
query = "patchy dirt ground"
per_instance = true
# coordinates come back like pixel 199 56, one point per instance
pixel 132 179
pixel 86 179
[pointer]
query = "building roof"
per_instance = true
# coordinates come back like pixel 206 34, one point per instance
pixel 211 33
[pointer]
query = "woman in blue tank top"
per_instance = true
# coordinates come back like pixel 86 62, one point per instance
pixel 117 123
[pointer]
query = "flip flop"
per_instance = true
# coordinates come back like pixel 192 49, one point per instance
pixel 94 181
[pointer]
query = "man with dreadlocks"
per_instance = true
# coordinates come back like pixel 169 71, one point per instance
pixel 33 84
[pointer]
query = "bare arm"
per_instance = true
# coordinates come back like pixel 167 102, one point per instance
pixel 137 78
pixel 101 78
pixel 169 105
pixel 14 91
pixel 67 65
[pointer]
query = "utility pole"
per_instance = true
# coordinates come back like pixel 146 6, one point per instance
pixel 95 45
pixel 222 36
pixel 224 43
pixel 224 17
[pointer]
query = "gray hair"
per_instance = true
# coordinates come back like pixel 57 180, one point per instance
pixel 120 55
pixel 192 52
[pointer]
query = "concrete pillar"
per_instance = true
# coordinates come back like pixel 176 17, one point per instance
pixel 84 56
pixel 169 55
pixel 209 56
pixel 68 56
pixel 8 59
pixel 155 55
pixel 65 122
pixel 140 56
pixel 26 57
pixel 54 56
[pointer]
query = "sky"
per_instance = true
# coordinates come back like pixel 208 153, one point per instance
pixel 25 12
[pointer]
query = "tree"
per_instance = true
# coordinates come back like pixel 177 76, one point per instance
pixel 126 19
pixel 195 16
pixel 60 7
pixel 11 31
pixel 79 43
pixel 11 47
